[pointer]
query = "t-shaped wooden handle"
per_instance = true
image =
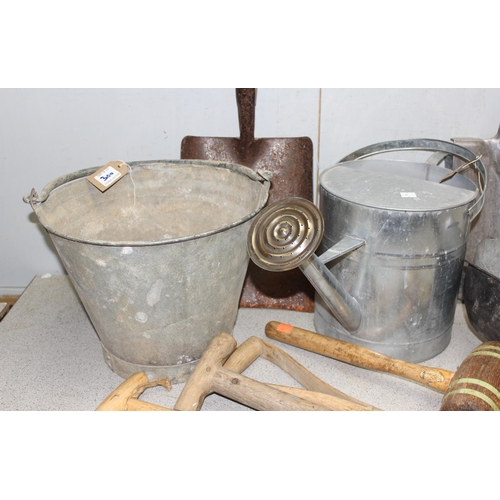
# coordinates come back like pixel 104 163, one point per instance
pixel 210 376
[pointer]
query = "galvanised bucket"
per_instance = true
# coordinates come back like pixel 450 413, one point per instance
pixel 159 259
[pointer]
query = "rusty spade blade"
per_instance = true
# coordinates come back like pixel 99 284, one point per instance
pixel 290 161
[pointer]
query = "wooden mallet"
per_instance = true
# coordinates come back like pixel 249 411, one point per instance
pixel 474 386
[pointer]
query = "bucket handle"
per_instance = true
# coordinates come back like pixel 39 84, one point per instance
pixel 437 147
pixel 32 198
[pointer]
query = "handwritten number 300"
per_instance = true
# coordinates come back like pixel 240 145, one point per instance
pixel 106 177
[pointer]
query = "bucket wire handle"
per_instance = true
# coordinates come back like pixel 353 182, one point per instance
pixel 33 197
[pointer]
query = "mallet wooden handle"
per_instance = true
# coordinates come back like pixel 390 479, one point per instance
pixel 362 357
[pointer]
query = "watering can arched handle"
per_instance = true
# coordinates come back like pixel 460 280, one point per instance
pixel 441 150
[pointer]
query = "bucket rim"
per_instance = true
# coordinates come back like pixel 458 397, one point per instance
pixel 36 201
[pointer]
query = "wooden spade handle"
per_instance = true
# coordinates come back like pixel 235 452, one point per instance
pixel 436 378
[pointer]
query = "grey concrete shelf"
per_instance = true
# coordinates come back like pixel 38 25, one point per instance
pixel 51 359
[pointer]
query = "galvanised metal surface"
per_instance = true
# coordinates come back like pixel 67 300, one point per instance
pixel 159 259
pixel 487 224
pixel 406 276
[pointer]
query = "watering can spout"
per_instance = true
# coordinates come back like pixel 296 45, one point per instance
pixel 285 235
pixel 342 304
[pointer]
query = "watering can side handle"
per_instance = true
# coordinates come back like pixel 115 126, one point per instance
pixel 438 157
pixel 477 207
pixel 483 182
pixel 345 245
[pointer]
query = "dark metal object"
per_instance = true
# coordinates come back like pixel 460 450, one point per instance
pixel 482 302
pixel 482 290
pixel 290 162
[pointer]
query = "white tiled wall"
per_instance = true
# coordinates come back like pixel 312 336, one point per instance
pixel 45 133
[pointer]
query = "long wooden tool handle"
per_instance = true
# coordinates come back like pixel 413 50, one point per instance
pixel 246 353
pixel 329 401
pixel 260 396
pixel 362 357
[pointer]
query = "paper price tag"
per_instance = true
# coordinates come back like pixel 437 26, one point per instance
pixel 108 175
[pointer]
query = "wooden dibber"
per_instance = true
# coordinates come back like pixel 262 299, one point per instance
pixel 125 396
pixel 474 386
pixel 316 390
pixel 210 376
